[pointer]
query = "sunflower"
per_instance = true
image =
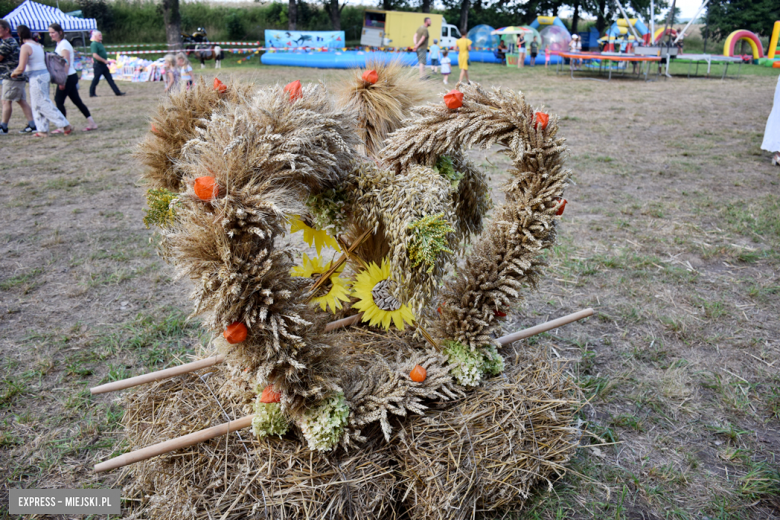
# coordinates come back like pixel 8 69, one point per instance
pixel 317 236
pixel 338 290
pixel 379 307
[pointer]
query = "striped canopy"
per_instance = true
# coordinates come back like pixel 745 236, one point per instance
pixel 38 17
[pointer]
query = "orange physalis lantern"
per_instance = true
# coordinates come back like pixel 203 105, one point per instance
pixel 418 374
pixel 542 118
pixel 154 129
pixel 269 396
pixel 294 89
pixel 206 188
pixel 370 76
pixel 560 208
pixel 219 86
pixel 235 333
pixel 499 314
pixel 453 99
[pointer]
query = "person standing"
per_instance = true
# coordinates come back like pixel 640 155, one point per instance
pixel 172 74
pixel 771 141
pixel 70 89
pixel 100 60
pixel 33 62
pixel 435 56
pixel 13 88
pixel 520 51
pixel 464 46
pixel 534 51
pixel 185 69
pixel 421 39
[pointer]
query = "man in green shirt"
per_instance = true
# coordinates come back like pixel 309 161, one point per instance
pixel 421 41
pixel 100 65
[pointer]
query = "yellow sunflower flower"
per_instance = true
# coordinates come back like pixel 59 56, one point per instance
pixel 375 301
pixel 339 288
pixel 318 237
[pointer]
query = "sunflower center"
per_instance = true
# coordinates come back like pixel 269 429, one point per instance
pixel 382 297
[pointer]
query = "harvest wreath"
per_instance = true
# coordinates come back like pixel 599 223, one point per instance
pixel 372 380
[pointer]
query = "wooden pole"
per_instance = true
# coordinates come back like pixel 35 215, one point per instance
pixel 244 422
pixel 544 327
pixel 174 444
pixel 156 376
pixel 344 322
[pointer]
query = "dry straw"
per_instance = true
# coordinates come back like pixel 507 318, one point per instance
pixel 485 452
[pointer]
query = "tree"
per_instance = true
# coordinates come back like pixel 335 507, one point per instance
pixel 726 16
pixel 464 16
pixel 334 10
pixel 292 15
pixel 172 19
pixel 426 6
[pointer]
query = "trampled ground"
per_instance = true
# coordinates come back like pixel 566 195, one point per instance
pixel 671 234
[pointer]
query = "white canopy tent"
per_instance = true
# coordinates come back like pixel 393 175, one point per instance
pixel 38 17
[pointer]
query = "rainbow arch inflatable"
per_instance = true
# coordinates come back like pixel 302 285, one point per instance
pixel 547 20
pixel 737 36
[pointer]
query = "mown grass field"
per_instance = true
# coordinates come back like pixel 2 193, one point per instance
pixel 671 234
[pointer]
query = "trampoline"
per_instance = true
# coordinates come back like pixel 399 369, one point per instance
pixel 604 58
pixel 709 59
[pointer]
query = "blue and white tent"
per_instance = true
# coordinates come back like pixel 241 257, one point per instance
pixel 38 17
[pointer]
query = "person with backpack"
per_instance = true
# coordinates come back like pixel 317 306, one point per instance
pixel 32 61
pixel 70 88
pixel 13 88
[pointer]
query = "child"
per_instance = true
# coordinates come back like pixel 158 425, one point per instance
pixel 435 56
pixel 445 65
pixel 171 73
pixel 546 56
pixel 186 69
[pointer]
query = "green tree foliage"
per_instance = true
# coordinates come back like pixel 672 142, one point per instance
pixel 726 16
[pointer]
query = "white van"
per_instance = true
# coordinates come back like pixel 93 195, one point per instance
pixel 449 33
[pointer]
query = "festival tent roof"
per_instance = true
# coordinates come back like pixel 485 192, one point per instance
pixel 38 17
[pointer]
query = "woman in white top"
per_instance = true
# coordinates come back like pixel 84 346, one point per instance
pixel 70 89
pixel 33 62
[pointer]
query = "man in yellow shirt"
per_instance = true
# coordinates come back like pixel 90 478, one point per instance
pixel 464 46
pixel 421 40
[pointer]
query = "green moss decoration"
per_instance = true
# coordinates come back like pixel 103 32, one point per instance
pixel 468 366
pixel 429 238
pixel 447 170
pixel 269 419
pixel 323 425
pixel 328 211
pixel 493 363
pixel 161 212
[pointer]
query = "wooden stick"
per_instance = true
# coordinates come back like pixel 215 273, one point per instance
pixel 544 327
pixel 344 322
pixel 343 258
pixel 156 376
pixel 174 444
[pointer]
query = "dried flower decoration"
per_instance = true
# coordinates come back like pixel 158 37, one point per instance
pixel 418 374
pixel 370 76
pixel 161 208
pixel 336 289
pixel 219 86
pixel 542 118
pixel 269 396
pixel 206 188
pixel 375 301
pixel 453 99
pixel 295 90
pixel 236 333
pixel 311 236
pixel 429 238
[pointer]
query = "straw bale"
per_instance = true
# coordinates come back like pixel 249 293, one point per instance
pixel 491 449
pixel 239 476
